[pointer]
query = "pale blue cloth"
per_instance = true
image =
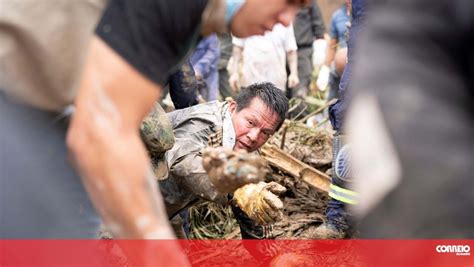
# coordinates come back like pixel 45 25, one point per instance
pixel 232 7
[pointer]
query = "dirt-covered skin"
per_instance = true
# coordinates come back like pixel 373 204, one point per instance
pixel 229 170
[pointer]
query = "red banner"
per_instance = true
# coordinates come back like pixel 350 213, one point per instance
pixel 236 253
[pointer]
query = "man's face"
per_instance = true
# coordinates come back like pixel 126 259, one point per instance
pixel 253 125
pixel 257 16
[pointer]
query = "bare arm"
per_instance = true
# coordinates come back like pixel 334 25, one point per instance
pixel 234 68
pixel 104 140
pixel 292 59
pixel 330 52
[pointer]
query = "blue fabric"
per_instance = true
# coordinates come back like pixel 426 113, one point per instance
pixel 337 110
pixel 338 28
pixel 205 60
pixel 336 212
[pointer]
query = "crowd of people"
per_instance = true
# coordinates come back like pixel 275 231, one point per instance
pixel 80 148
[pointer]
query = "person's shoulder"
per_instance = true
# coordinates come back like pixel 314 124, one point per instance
pixel 207 108
pixel 207 113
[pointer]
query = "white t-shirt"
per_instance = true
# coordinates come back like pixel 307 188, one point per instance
pixel 264 57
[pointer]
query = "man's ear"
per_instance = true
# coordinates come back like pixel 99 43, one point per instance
pixel 232 107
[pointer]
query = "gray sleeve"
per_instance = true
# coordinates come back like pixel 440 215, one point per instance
pixel 185 163
pixel 317 23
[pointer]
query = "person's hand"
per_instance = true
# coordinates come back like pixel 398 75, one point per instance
pixel 323 78
pixel 234 82
pixel 198 77
pixel 260 201
pixel 293 80
pixel 229 170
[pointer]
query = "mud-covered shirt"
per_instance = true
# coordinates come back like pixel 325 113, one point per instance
pixel 195 128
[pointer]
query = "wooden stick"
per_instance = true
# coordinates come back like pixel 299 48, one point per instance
pixel 332 101
pixel 298 169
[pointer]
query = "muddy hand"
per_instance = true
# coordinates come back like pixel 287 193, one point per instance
pixel 229 170
pixel 260 201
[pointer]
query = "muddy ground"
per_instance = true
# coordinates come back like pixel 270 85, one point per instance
pixel 304 204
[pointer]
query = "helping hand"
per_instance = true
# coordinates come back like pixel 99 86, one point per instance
pixel 229 170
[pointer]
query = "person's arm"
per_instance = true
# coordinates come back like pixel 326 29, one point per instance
pixel 330 52
pixel 234 79
pixel 186 167
pixel 317 23
pixel 104 141
pixel 292 60
pixel 332 44
pixel 210 57
pixel 291 57
pixel 122 78
pixel 324 72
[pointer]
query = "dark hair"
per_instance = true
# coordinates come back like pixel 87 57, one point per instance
pixel 273 98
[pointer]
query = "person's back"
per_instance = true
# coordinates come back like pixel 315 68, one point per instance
pixel 41 59
pixel 40 70
pixel 264 57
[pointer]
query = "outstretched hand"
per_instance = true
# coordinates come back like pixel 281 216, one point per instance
pixel 229 170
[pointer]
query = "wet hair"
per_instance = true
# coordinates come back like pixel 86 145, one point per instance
pixel 273 98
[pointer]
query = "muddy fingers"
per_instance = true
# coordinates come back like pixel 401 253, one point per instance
pixel 229 170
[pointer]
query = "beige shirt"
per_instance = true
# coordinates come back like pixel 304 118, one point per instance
pixel 42 48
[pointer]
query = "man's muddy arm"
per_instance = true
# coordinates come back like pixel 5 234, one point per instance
pixel 104 141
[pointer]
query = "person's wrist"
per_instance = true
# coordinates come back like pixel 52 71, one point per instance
pixel 150 227
pixel 158 233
